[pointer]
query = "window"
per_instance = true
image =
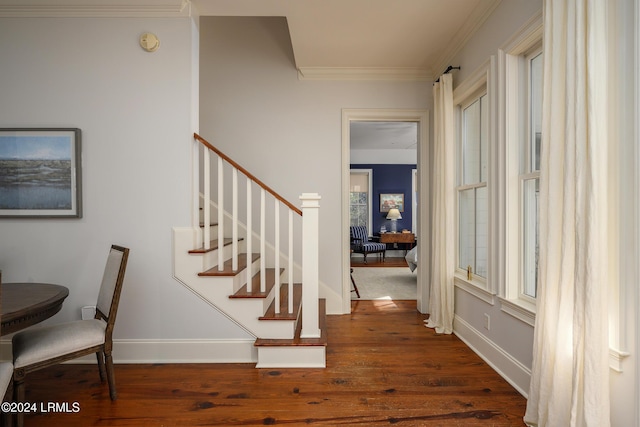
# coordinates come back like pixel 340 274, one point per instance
pixel 521 59
pixel 359 208
pixel 360 198
pixel 530 175
pixel 472 187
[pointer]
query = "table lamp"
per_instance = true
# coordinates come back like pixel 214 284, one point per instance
pixel 394 216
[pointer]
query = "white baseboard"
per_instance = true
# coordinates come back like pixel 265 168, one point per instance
pixel 170 351
pixel 514 372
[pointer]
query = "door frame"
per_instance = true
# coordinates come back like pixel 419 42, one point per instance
pixel 423 231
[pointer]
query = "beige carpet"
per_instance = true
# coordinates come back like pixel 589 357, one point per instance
pixel 387 283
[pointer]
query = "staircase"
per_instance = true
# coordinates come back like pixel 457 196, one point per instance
pixel 256 282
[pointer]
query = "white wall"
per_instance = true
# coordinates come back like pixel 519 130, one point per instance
pixel 135 112
pixel 625 89
pixel 508 344
pixel 286 131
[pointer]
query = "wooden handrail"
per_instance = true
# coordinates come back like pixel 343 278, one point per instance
pixel 247 174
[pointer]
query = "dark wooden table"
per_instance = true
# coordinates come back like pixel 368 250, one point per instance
pixel 407 239
pixel 25 304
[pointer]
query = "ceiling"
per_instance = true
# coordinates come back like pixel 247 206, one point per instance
pixel 370 39
pixel 375 39
pixel 383 135
pixel 331 39
pixel 411 39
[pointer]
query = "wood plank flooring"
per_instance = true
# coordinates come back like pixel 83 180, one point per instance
pixel 383 367
pixel 373 261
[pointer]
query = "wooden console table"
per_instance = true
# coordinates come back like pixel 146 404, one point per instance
pixel 408 239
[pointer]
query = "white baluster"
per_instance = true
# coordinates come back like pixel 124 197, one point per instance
pixel 263 259
pixel 206 208
pixel 234 222
pixel 220 214
pixel 310 270
pixel 249 236
pixel 276 214
pixel 195 184
pixel 290 265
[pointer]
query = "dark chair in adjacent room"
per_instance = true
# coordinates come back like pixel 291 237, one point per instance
pixel 355 287
pixel 360 243
pixel 40 347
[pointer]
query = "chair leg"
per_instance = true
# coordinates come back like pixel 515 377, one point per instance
pixel 355 287
pixel 101 369
pixel 110 375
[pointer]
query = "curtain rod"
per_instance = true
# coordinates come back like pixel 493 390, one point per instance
pixel 449 68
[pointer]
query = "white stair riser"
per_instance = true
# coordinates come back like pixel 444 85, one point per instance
pixel 216 291
pixel 245 311
pixel 291 357
pixel 210 259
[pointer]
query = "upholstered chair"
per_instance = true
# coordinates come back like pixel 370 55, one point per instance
pixel 40 347
pixel 360 243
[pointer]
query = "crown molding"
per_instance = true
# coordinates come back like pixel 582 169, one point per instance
pixel 363 73
pixel 467 31
pixel 526 37
pixel 100 8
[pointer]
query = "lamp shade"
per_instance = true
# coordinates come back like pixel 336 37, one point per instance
pixel 394 213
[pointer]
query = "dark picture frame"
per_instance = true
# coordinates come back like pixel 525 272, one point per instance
pixel 390 200
pixel 40 173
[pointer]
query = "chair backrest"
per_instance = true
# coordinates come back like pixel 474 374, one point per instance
pixel 360 232
pixel 111 286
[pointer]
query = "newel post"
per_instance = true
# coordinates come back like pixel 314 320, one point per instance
pixel 310 270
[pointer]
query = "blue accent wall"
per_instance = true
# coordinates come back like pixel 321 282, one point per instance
pixel 390 179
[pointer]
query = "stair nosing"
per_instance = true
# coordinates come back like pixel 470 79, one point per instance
pixel 297 341
pixel 214 245
pixel 228 268
pixel 255 286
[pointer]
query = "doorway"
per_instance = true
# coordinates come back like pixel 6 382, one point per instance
pixel 421 230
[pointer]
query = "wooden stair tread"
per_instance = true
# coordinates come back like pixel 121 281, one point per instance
pixel 255 285
pixel 214 244
pixel 271 314
pixel 227 267
pixel 211 224
pixel 297 341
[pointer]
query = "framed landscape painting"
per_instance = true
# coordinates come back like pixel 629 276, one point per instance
pixel 40 173
pixel 391 200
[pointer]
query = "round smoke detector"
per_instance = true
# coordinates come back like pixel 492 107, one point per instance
pixel 149 42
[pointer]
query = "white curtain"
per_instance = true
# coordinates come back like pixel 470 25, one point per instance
pixel 570 373
pixel 442 241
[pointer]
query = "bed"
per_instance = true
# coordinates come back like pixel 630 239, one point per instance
pixel 412 258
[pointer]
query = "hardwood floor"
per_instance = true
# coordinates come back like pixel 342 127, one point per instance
pixel 374 261
pixel 383 367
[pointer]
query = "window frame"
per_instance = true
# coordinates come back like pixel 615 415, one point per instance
pixel 514 112
pixel 463 183
pixel 469 91
pixel 528 171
